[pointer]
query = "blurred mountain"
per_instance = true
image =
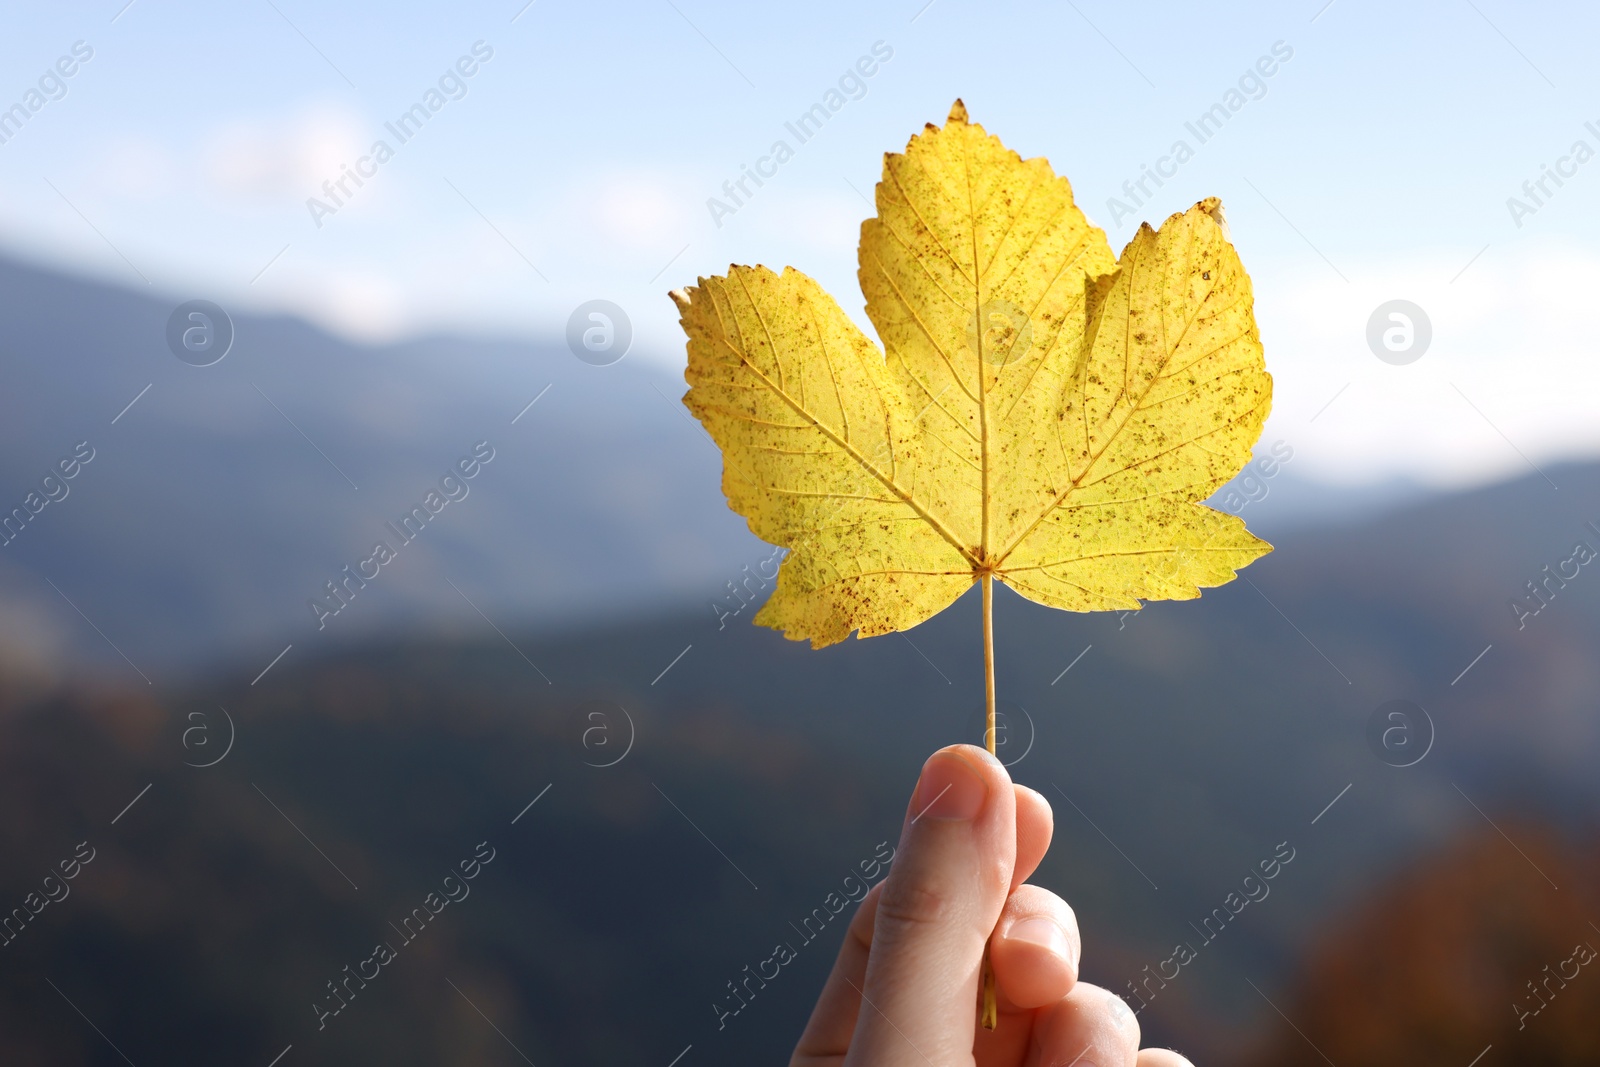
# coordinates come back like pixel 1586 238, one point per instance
pixel 221 912
pixel 1183 747
pixel 1468 955
pixel 225 498
pixel 590 598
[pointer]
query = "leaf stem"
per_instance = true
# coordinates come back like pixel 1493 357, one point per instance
pixel 988 660
pixel 990 1015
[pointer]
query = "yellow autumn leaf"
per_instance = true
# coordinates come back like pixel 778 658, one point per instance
pixel 1041 413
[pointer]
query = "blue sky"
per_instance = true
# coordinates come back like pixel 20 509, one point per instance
pixel 1373 164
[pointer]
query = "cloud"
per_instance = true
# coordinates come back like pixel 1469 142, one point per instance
pixel 1507 383
pixel 283 157
pixel 638 210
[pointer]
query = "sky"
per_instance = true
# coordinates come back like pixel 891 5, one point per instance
pixel 1382 159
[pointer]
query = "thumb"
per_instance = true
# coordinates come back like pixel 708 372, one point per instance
pixel 939 906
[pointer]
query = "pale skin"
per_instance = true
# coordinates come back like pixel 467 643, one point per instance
pixel 904 990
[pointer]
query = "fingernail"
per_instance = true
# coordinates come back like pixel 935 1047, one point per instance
pixel 949 789
pixel 1044 933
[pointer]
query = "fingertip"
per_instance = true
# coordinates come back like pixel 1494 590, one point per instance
pixel 1034 812
pixel 1033 963
pixel 1035 827
pixel 1035 949
pixel 952 786
pixel 1093 1024
pixel 1034 796
pixel 1161 1057
pixel 981 758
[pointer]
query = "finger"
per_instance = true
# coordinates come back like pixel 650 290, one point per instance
pixel 827 1033
pixel 1009 1042
pixel 940 902
pixel 1035 948
pixel 1035 826
pixel 1089 1026
pixel 1161 1057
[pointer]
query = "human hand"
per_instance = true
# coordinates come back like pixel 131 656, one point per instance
pixel 904 990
